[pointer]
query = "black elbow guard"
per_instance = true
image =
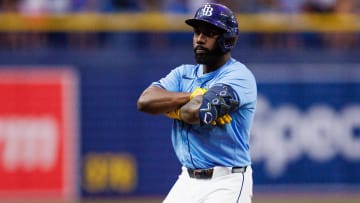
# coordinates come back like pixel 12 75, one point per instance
pixel 217 101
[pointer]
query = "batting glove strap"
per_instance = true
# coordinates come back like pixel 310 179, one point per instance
pixel 198 91
pixel 175 114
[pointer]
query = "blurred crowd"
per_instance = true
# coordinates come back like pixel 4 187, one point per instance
pixel 176 6
pixel 38 7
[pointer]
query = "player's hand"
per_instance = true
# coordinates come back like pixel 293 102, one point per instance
pixel 198 91
pixel 175 114
pixel 223 120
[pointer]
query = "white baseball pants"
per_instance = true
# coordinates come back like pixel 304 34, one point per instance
pixel 224 186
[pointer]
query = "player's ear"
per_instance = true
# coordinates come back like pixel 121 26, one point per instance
pixel 230 42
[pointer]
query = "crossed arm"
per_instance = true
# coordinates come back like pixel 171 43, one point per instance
pixel 192 108
pixel 155 100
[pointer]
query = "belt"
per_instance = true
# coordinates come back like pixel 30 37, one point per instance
pixel 208 173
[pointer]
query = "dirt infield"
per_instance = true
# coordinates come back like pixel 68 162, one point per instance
pixel 263 198
pixel 267 197
pixel 307 198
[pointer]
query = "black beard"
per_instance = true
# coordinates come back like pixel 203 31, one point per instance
pixel 210 57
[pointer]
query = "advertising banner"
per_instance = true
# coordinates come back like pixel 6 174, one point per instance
pixel 38 132
pixel 307 127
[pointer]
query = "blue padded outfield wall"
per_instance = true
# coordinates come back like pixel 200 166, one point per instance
pixel 306 130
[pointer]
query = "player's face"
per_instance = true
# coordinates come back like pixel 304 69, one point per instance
pixel 206 49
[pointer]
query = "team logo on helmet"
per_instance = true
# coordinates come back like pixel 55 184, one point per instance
pixel 207 10
pixel 221 17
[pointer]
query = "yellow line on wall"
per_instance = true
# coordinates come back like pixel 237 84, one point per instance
pixel 160 22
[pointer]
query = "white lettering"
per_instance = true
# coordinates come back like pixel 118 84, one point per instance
pixel 28 143
pixel 348 145
pixel 207 10
pixel 283 135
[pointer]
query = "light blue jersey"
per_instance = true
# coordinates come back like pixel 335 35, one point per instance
pixel 209 146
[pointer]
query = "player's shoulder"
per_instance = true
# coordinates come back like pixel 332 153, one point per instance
pixel 238 70
pixel 235 65
pixel 186 68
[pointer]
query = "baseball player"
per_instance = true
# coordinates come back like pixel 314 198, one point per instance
pixel 213 105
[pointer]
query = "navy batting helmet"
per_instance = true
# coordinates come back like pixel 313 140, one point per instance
pixel 221 17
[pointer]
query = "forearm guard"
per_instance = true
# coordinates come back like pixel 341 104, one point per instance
pixel 217 101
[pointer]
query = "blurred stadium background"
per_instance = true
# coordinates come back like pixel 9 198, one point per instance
pixel 72 70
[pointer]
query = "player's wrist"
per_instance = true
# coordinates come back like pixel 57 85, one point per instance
pixel 174 114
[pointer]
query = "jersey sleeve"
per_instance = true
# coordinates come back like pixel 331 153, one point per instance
pixel 171 82
pixel 242 81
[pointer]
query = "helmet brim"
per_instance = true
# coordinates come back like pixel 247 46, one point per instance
pixel 196 22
